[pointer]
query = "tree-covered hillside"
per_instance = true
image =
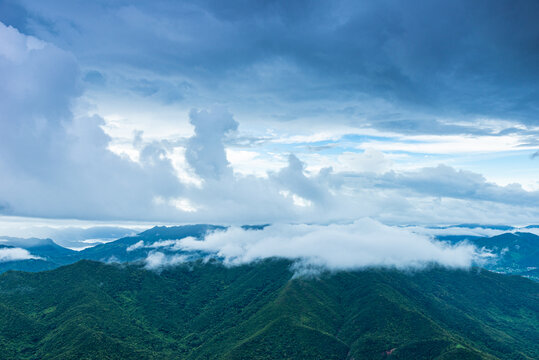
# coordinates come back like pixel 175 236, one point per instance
pixel 90 310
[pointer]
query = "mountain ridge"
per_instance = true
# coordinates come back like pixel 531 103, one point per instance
pixel 513 252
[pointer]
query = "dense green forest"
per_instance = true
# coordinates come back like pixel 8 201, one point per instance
pixel 91 310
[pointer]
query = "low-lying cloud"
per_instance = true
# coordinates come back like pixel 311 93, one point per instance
pixel 457 231
pixel 170 245
pixel 157 260
pixel 364 243
pixel 15 254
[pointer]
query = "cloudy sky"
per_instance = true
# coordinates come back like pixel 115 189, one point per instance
pixel 235 112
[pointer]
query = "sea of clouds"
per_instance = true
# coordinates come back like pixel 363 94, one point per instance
pixel 361 244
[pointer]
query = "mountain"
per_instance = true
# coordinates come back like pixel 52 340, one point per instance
pixel 42 247
pixel 29 264
pixel 119 250
pixel 53 255
pixel 92 310
pixel 77 238
pixel 516 253
pixel 49 255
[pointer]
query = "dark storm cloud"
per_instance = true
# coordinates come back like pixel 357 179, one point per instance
pixel 465 58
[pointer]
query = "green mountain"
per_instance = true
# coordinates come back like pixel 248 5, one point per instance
pixel 91 310
pixel 516 253
pixel 53 255
pixel 118 250
pixel 37 264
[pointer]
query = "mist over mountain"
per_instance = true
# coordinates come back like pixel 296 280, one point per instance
pixel 354 246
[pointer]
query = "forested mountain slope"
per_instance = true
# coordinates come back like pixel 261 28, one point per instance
pixel 91 310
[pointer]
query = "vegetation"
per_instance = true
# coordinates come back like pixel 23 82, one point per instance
pixel 91 310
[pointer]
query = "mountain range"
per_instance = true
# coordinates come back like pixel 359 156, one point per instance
pixel 513 252
pixel 204 310
pixel 103 303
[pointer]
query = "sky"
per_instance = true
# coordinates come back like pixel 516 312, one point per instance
pixel 131 113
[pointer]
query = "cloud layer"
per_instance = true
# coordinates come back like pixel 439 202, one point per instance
pixel 364 243
pixel 15 254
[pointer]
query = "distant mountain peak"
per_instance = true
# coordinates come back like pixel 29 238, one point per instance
pixel 27 242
